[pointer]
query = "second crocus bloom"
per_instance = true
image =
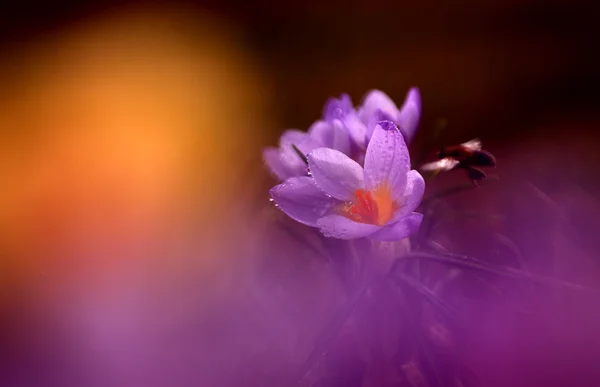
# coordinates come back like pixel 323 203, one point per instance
pixel 378 106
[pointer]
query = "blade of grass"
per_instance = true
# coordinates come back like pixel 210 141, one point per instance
pixel 492 288
pixel 471 263
pixel 449 311
pixel 299 153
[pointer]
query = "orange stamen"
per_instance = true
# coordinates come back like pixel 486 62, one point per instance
pixel 375 207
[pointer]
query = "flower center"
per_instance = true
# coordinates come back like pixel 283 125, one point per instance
pixel 376 207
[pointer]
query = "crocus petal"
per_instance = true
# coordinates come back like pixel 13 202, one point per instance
pixel 410 114
pixel 293 162
pixel 308 145
pixel 273 160
pixel 387 160
pixel 341 139
pixel 404 228
pixel 377 100
pixel 413 195
pixel 330 135
pixel 302 200
pixel 322 132
pixel 376 118
pixel 356 129
pixel 301 140
pixel 335 173
pixel 337 226
pixel 337 108
pixel 292 136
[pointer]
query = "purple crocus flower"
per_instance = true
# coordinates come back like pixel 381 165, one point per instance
pixel 377 106
pixel 346 201
pixel 285 162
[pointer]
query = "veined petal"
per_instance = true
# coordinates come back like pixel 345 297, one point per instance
pixel 410 114
pixel 403 228
pixel 377 100
pixel 273 160
pixel 337 226
pixel 302 200
pixel 387 160
pixel 335 173
pixel 412 196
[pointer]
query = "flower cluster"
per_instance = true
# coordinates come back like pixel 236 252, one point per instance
pixel 349 175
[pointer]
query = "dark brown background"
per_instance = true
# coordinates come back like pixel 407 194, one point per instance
pixel 490 67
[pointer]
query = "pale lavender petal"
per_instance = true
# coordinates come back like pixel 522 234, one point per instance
pixel 387 160
pixel 322 132
pixel 302 200
pixel 377 100
pixel 335 173
pixel 404 228
pixel 337 226
pixel 293 162
pixel 410 114
pixel 341 138
pixel 376 118
pixel 292 136
pixel 308 145
pixel 331 135
pixel 295 165
pixel 273 160
pixel 356 129
pixel 341 111
pixel 337 108
pixel 412 196
pixel 415 188
pixel 300 139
